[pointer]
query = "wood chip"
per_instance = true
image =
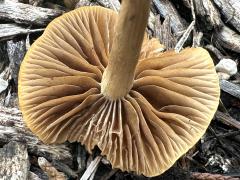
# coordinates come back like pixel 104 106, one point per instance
pixel 166 8
pixel 13 128
pixel 227 119
pixel 51 171
pixel 16 51
pixel 208 13
pixel 14 162
pixel 230 88
pixel 230 10
pixel 9 31
pixel 27 14
pixel 164 34
pixel 228 38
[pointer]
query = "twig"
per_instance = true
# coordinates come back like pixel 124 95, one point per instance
pixel 91 168
pixel 183 39
pixel 193 10
pixel 186 34
pixel 220 135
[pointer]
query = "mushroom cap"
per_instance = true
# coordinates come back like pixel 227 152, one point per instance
pixel 172 101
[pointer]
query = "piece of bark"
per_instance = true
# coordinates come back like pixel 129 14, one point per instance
pixel 27 14
pixel 227 119
pixel 32 176
pixel 164 34
pixel 112 4
pixel 166 8
pixel 50 170
pixel 4 56
pixel 230 88
pixel 215 51
pixel 13 128
pixel 4 83
pixel 230 9
pixel 228 38
pixel 16 51
pixel 9 31
pixel 208 13
pixel 14 162
pixel 83 3
pixel 80 156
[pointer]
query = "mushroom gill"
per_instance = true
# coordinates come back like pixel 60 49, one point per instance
pixel 169 107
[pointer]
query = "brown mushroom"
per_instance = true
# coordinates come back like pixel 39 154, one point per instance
pixel 86 80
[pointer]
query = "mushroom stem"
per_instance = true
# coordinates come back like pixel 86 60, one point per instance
pixel 129 33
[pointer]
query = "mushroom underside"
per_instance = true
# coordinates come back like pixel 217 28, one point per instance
pixel 172 101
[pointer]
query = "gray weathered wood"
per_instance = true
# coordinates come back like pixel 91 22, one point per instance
pixel 16 50
pixel 113 4
pixel 13 128
pixel 228 38
pixel 14 163
pixel 227 119
pixel 3 57
pixel 215 51
pixel 9 31
pixel 27 14
pixel 166 8
pixel 230 88
pixel 208 13
pixel 231 11
pixel 164 34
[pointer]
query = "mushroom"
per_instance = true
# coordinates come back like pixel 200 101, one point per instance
pixel 94 77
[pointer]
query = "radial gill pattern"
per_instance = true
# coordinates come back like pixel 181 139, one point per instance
pixel 173 99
